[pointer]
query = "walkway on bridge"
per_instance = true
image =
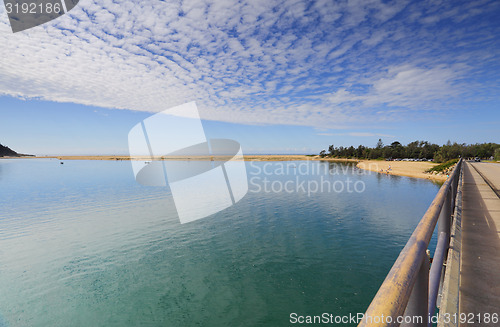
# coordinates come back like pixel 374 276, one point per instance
pixel 480 266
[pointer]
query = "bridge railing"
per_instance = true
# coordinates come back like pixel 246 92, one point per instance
pixel 408 295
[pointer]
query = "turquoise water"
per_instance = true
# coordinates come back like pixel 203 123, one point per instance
pixel 82 244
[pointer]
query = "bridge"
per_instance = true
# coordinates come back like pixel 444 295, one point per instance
pixel 460 285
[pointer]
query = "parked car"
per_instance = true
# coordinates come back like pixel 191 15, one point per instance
pixel 476 159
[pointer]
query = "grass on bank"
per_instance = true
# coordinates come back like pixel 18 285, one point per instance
pixel 442 167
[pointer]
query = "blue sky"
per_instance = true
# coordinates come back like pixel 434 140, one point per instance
pixel 277 76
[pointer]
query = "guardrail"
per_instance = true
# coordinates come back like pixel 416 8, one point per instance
pixel 410 289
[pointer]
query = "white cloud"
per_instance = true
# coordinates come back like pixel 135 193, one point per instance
pixel 322 64
pixel 405 86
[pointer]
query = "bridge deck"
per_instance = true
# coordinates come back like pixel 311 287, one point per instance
pixel 480 266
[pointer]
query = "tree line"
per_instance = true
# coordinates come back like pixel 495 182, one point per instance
pixel 415 150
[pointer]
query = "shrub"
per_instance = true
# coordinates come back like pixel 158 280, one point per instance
pixel 442 167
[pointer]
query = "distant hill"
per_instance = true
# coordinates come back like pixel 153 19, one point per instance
pixel 5 151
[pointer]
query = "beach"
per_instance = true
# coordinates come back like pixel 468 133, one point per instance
pixel 414 169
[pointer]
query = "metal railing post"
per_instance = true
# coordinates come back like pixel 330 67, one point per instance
pixel 454 187
pixel 417 307
pixel 436 272
pixel 444 222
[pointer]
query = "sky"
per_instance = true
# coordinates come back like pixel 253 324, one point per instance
pixel 278 76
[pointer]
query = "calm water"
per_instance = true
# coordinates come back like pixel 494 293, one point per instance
pixel 82 244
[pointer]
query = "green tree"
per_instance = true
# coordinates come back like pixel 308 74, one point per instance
pixel 397 150
pixel 331 150
pixel 380 144
pixel 497 154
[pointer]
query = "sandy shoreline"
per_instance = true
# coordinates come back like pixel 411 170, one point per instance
pixel 414 169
